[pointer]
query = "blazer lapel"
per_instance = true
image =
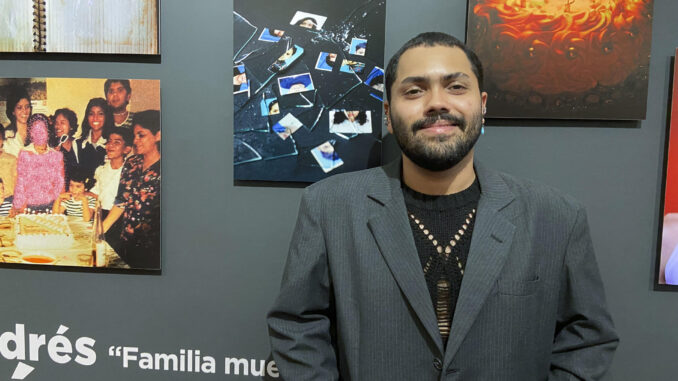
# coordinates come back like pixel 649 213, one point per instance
pixel 391 230
pixel 490 244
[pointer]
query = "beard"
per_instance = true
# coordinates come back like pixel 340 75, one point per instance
pixel 441 152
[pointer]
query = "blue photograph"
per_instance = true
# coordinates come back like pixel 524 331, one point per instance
pixel 358 46
pixel 295 84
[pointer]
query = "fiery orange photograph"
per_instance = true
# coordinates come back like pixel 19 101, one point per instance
pixel 563 59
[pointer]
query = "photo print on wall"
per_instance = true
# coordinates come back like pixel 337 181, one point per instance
pixel 80 173
pixel 666 271
pixel 74 26
pixel 315 100
pixel 563 59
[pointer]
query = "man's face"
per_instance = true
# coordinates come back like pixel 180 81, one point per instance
pixel 116 147
pixel 436 107
pixel 117 96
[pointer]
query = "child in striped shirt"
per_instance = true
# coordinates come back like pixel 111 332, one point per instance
pixel 6 204
pixel 76 202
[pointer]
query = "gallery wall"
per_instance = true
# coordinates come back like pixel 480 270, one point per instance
pixel 224 243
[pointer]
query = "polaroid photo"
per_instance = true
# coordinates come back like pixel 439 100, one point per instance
pixel 350 122
pixel 287 126
pixel 327 157
pixel 267 35
pixel 285 60
pixel 348 66
pixel 358 46
pixel 269 106
pixel 375 79
pixel 295 84
pixel 240 82
pixel 326 61
pixel 308 20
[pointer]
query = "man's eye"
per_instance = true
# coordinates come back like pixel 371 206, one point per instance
pixel 412 91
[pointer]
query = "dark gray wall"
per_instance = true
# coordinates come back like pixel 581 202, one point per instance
pixel 224 245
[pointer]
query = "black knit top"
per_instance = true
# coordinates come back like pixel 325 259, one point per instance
pixel 442 227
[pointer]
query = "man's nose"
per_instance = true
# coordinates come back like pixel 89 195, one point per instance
pixel 437 101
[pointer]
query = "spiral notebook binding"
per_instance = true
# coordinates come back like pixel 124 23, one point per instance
pixel 39 26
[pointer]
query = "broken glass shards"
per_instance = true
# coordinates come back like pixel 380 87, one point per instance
pixel 243 31
pixel 268 145
pixel 243 152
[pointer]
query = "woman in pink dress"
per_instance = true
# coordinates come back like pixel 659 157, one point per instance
pixel 40 170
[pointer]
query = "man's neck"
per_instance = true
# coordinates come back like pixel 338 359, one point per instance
pixel 436 183
pixel 117 162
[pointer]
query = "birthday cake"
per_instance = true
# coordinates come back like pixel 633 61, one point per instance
pixel 43 231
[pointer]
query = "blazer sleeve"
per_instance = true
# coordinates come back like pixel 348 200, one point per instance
pixel 300 321
pixel 585 339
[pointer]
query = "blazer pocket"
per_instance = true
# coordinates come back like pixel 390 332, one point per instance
pixel 518 288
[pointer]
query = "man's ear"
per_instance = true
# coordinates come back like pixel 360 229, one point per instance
pixel 127 150
pixel 388 117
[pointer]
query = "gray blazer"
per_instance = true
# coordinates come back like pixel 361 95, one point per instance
pixel 354 305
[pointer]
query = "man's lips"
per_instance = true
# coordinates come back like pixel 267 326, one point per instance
pixel 440 127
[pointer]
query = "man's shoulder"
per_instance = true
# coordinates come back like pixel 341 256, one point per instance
pixel 351 183
pixel 538 196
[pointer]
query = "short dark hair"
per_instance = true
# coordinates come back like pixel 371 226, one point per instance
pixel 123 82
pixel 125 133
pixel 432 39
pixel 149 119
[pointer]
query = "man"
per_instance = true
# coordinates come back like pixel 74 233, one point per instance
pixel 7 166
pixel 436 267
pixel 118 93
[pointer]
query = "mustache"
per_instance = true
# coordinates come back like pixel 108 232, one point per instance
pixel 431 119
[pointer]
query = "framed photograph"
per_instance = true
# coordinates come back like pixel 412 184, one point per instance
pixel 563 59
pixel 666 271
pixel 307 88
pixel 74 26
pixel 78 189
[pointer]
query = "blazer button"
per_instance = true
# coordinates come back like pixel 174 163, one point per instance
pixel 437 364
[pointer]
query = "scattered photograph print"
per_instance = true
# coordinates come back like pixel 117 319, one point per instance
pixel 287 126
pixel 348 66
pixel 358 47
pixel 351 122
pixel 240 83
pixel 70 165
pixel 295 84
pixel 267 35
pixel 301 83
pixel 308 20
pixel 326 61
pixel 563 59
pixel 327 157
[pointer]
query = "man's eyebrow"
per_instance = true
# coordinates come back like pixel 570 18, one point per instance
pixel 446 78
pixel 457 75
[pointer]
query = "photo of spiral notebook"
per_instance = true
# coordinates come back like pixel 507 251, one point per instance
pixel 75 26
